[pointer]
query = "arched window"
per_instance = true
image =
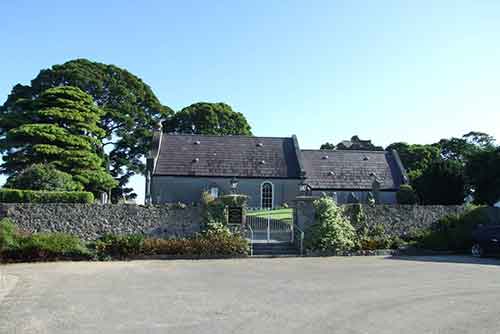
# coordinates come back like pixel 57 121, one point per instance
pixel 266 195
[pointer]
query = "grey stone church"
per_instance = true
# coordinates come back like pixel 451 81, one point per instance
pixel 271 171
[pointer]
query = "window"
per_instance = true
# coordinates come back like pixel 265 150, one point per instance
pixel 214 191
pixel 266 195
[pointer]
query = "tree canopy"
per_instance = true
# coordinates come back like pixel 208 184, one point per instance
pixel 130 107
pixel 442 182
pixel 415 157
pixel 43 177
pixel 483 174
pixel 208 119
pixel 355 143
pixel 60 128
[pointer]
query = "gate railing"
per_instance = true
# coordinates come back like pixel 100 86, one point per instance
pixel 268 229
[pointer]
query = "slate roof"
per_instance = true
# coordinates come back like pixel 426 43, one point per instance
pixel 351 169
pixel 227 156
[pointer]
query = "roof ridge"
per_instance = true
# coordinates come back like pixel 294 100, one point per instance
pixel 350 151
pixel 220 136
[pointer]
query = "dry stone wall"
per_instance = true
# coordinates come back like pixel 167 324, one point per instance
pixel 89 221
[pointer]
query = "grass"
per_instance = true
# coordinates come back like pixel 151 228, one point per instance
pixel 275 214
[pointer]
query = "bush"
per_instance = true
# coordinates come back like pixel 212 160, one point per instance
pixel 332 231
pixel 44 247
pixel 119 246
pixel 34 196
pixel 454 232
pixel 43 177
pixel 406 195
pixel 214 210
pixel 376 238
pixel 198 247
pixel 7 234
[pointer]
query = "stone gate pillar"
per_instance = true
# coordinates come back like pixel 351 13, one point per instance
pixel 304 212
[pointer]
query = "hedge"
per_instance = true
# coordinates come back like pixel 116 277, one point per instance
pixel 35 196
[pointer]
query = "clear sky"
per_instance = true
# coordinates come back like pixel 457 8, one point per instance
pixel 413 71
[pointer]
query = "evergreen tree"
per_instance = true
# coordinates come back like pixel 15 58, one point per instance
pixel 61 128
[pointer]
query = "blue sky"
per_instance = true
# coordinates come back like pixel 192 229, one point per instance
pixel 413 71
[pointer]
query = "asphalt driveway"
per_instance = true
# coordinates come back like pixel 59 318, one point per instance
pixel 292 295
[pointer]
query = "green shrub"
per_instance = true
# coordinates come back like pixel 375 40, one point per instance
pixel 119 246
pixel 376 238
pixel 208 244
pixel 332 231
pixel 43 177
pixel 46 246
pixel 454 232
pixel 406 195
pixel 214 210
pixel 7 234
pixel 34 196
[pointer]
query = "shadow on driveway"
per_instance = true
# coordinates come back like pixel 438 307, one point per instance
pixel 464 259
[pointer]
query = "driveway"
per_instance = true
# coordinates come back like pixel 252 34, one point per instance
pixel 283 295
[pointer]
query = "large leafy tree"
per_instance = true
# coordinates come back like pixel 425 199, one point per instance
pixel 60 128
pixel 483 174
pixel 131 111
pixel 415 158
pixel 209 119
pixel 442 182
pixel 461 149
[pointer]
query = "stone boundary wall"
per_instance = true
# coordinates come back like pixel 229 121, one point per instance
pixel 90 221
pixel 396 219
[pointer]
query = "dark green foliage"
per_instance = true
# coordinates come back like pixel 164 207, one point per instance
pixel 454 232
pixel 119 246
pixel 415 158
pixel 375 237
pixel 63 131
pixel 131 110
pixel 443 182
pixel 222 244
pixel 483 174
pixel 43 177
pixel 214 210
pixel 406 195
pixel 461 149
pixel 208 119
pixel 33 196
pixel 327 146
pixel 7 234
pixel 44 247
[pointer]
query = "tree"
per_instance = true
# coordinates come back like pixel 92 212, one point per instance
pixel 354 144
pixel 483 174
pixel 415 158
pixel 461 149
pixel 208 119
pixel 327 146
pixel 62 131
pixel 442 183
pixel 131 110
pixel 43 177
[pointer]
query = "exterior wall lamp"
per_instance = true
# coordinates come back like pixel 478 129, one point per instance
pixel 234 184
pixel 303 188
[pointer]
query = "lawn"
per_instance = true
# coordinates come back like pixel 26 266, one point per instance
pixel 274 214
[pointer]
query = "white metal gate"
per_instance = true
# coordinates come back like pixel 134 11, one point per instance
pixel 266 229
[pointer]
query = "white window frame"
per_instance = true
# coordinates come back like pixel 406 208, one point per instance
pixel 261 194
